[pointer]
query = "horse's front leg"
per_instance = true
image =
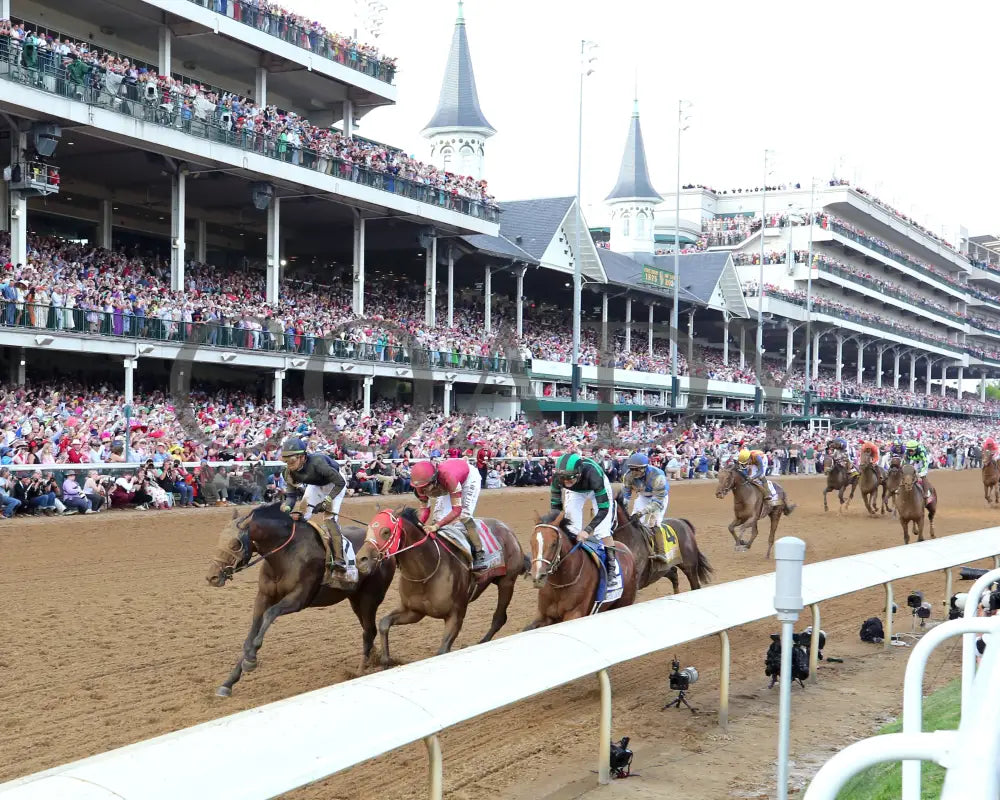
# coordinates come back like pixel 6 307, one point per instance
pixel 826 491
pixel 753 533
pixel 295 600
pixel 401 616
pixel 505 591
pixel 260 604
pixel 452 627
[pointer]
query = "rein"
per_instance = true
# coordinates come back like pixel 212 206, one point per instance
pixel 245 550
pixel 556 563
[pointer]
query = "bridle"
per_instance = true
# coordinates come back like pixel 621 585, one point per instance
pixel 391 547
pixel 243 557
pixel 724 490
pixel 557 557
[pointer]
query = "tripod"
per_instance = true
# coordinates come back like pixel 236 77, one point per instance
pixel 678 701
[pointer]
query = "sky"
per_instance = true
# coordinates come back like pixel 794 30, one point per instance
pixel 891 95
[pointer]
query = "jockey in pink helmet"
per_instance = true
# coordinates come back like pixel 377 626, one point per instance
pixel 455 487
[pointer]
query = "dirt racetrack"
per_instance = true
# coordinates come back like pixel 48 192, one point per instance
pixel 112 635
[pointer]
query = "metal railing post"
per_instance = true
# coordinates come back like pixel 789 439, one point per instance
pixel 604 751
pixel 888 614
pixel 814 643
pixel 947 586
pixel 435 767
pixel 725 661
pixel 972 600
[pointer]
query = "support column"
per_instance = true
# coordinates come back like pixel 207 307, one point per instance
pixel 273 249
pixel 743 352
pixel 430 283
pixel 650 331
pixel 982 389
pixel 628 324
pixel 927 388
pixel 861 359
pixel 367 393
pixel 604 322
pixel 815 355
pixel 164 58
pixel 961 377
pixel 690 356
pixel 725 339
pixel 4 200
pixel 944 379
pixel 879 350
pixel 279 385
pixel 130 365
pixel 201 241
pixel 913 372
pixel 348 118
pixel 178 208
pixel 789 345
pixel 22 367
pixel 104 225
pixel 895 369
pixel 488 300
pixel 520 300
pixel 451 290
pixel 4 9
pixel 260 86
pixel 447 398
pixel 840 357
pixel 18 205
pixel 358 300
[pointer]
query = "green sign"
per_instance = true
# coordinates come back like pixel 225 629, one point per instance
pixel 657 277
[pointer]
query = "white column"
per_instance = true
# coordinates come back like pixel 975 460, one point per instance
pixel 879 350
pixel 164 58
pixel 178 208
pixel 369 380
pixel 451 290
pixel 18 205
pixel 743 352
pixel 861 359
pixel 650 336
pixel 789 345
pixel 130 365
pixel 430 284
pixel 604 322
pixel 260 86
pixel 273 249
pixel 982 389
pixel 725 339
pixel 927 388
pixel 22 367
pixel 913 372
pixel 815 355
pixel 628 324
pixel 690 356
pixel 447 398
pixel 895 369
pixel 348 118
pixel 104 225
pixel 4 9
pixel 488 300
pixel 520 301
pixel 944 378
pixel 358 304
pixel 840 357
pixel 961 377
pixel 201 241
pixel 279 385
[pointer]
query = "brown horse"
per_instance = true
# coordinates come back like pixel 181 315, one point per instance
pixel 631 533
pixel 837 480
pixel 869 482
pixel 911 505
pixel 291 578
pixel 991 478
pixel 435 578
pixel 893 479
pixel 748 507
pixel 567 577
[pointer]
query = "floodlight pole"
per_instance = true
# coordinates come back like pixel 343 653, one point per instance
pixel 789 553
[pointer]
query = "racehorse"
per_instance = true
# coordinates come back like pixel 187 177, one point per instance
pixel 837 480
pixel 870 480
pixel 893 479
pixel 291 578
pixel 911 505
pixel 435 579
pixel 648 570
pixel 991 478
pixel 567 576
pixel 748 507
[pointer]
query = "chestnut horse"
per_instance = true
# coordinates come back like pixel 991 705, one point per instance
pixel 567 577
pixel 837 480
pixel 631 533
pixel 435 579
pixel 291 577
pixel 991 478
pixel 869 482
pixel 893 479
pixel 911 505
pixel 748 507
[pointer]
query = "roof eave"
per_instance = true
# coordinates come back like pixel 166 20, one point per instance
pixel 630 198
pixel 486 130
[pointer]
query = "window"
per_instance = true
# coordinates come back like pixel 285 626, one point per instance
pixel 625 224
pixel 446 154
pixel 640 224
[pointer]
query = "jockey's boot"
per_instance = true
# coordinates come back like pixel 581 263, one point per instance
pixel 475 543
pixel 610 562
pixel 658 554
pixel 336 545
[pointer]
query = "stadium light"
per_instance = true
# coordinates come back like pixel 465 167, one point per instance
pixel 683 123
pixel 768 172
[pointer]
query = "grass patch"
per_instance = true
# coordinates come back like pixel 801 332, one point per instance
pixel 942 711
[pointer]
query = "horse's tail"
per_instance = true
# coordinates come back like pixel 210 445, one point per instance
pixel 703 568
pixel 527 566
pixel 789 508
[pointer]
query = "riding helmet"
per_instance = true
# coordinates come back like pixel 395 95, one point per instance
pixel 744 456
pixel 569 467
pixel 293 446
pixel 422 474
pixel 638 461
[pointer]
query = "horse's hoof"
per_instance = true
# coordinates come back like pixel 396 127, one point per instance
pixel 223 691
pixel 248 665
pixel 741 548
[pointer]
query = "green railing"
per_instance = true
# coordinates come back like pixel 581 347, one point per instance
pixel 94 86
pixel 867 399
pixel 210 335
pixel 288 30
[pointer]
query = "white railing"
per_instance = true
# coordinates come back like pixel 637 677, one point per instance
pixel 422 699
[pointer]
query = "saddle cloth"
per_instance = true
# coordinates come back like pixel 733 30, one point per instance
pixel 607 591
pixel 491 556
pixel 775 499
pixel 669 544
pixel 338 580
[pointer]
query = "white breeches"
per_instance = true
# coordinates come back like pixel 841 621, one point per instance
pixel 470 497
pixel 643 503
pixel 314 495
pixel 574 503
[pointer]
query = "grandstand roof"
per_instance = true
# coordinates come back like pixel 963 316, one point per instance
pixel 498 246
pixel 633 177
pixel 458 104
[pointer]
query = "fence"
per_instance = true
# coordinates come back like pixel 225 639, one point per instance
pixel 417 701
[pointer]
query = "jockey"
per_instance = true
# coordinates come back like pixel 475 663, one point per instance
pixel 577 480
pixel 312 480
pixel 652 494
pixel 990 447
pixel 872 449
pixel 847 456
pixel 456 487
pixel 753 464
pixel 917 455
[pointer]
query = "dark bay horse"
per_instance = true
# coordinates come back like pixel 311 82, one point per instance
pixel 291 577
pixel 648 570
pixel 893 479
pixel 911 505
pixel 869 482
pixel 837 480
pixel 567 577
pixel 748 507
pixel 991 478
pixel 435 579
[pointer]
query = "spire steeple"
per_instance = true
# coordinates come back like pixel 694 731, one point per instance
pixel 633 200
pixel 633 177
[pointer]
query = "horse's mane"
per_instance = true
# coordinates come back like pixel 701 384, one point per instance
pixel 409 513
pixel 269 511
pixel 550 517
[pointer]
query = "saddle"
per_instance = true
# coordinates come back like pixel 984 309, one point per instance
pixel 346 580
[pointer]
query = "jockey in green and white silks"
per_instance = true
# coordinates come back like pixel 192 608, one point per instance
pixel 577 480
pixel 917 455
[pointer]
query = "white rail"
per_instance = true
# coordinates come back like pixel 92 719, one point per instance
pixel 417 701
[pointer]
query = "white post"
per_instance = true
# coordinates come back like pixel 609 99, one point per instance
pixel 814 643
pixel 435 767
pixel 815 354
pixel 650 336
pixel 913 372
pixel 725 339
pixel 164 60
pixel 130 365
pixel 451 289
pixel 430 283
pixel 18 204
pixel 895 369
pixel 104 225
pixel 369 380
pixel 861 359
pixel 4 9
pixel 628 324
pixel 789 344
pixel 279 383
pixel 488 300
pixel 878 365
pixel 520 301
pixel 22 367
pixel 604 749
pixel 690 337
pixel 604 322
pixel 725 662
pixel 348 118
pixel 840 357
pixel 178 208
pixel 944 378
pixel 273 248
pixel 359 265
pixel 743 351
pixel 447 398
pixel 961 377
pixel 789 553
pixel 201 241
pixel 982 389
pixel 927 388
pixel 260 87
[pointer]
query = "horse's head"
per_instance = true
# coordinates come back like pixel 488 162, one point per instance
pixel 909 476
pixel 233 552
pixel 727 482
pixel 546 546
pixel 388 534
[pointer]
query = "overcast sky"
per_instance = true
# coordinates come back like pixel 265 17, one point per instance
pixel 893 94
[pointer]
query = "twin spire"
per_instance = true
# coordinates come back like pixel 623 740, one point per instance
pixel 633 176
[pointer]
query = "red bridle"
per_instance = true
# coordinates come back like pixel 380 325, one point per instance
pixel 391 546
